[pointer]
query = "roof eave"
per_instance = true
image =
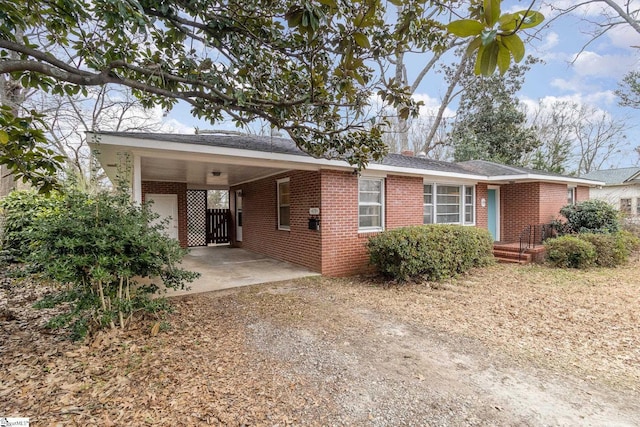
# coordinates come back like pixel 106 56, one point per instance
pixel 545 178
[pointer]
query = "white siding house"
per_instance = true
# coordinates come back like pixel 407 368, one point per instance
pixel 621 189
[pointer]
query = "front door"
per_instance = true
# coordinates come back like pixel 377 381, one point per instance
pixel 239 215
pixel 166 206
pixel 493 212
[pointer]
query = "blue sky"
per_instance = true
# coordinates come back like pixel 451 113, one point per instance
pixel 587 77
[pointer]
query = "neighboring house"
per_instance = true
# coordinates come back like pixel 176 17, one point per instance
pixel 621 189
pixel 319 213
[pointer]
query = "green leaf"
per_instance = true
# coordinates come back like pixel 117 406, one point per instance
pixel 491 11
pixel 515 46
pixel 330 3
pixel 477 70
pixel 361 40
pixel 4 137
pixel 503 58
pixel 529 18
pixel 465 27
pixel 488 36
pixel 475 44
pixel 488 59
pixel 508 22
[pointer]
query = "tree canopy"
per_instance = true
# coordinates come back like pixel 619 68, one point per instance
pixel 490 125
pixel 303 67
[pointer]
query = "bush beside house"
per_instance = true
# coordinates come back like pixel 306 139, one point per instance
pixel 434 252
pixel 96 246
pixel 592 237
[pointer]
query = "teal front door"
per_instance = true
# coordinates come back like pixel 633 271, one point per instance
pixel 492 213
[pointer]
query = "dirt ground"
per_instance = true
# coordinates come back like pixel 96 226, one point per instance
pixel 505 345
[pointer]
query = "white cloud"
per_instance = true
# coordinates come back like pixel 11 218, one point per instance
pixel 590 63
pixel 550 41
pixel 624 36
pixel 431 106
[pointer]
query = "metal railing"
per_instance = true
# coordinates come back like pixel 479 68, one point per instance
pixel 533 235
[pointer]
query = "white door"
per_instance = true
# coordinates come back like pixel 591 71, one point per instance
pixel 239 215
pixel 165 205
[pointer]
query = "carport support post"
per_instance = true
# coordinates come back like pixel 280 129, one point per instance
pixel 137 180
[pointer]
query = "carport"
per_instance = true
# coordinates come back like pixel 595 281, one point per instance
pixel 223 267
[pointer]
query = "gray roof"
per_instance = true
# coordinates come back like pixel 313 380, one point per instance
pixel 614 176
pixel 287 146
pixel 228 140
pixel 484 167
pixel 402 161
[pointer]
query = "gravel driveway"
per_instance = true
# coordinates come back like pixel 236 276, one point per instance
pixel 504 345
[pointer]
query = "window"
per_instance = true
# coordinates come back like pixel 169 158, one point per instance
pixel 284 209
pixel 370 204
pixel 447 204
pixel 625 206
pixel 638 206
pixel 469 199
pixel 571 195
pixel 453 204
pixel 428 204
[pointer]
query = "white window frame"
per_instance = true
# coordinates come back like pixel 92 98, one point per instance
pixel 381 204
pixel 465 204
pixel 630 206
pixel 281 205
pixel 462 203
pixel 428 206
pixel 573 191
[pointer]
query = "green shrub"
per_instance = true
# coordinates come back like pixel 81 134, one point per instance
pixel 629 241
pixel 20 211
pixel 610 250
pixel 570 252
pixel 590 216
pixel 432 251
pixel 632 228
pixel 98 245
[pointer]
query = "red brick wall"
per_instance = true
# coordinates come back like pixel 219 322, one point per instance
pixel 552 198
pixel 179 188
pixel 530 203
pixel 518 208
pixel 582 193
pixel 343 248
pixel 482 219
pixel 404 199
pixel 260 233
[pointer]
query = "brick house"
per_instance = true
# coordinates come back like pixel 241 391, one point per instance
pixel 318 213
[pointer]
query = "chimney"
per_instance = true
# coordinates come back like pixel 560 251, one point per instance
pixel 407 153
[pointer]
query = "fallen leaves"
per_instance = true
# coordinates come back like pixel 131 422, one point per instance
pixel 205 370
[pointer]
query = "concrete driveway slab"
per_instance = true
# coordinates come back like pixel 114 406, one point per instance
pixel 223 267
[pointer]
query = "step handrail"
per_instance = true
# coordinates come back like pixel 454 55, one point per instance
pixel 532 235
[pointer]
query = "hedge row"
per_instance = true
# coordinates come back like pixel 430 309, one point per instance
pixel 591 249
pixel 432 251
